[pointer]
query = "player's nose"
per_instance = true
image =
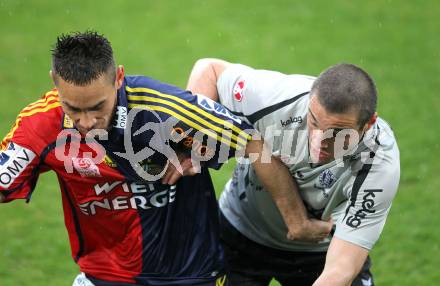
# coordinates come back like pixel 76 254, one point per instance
pixel 86 121
pixel 317 139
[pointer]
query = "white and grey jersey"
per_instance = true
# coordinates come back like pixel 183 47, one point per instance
pixel 355 191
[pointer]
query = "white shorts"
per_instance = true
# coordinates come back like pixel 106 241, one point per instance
pixel 81 280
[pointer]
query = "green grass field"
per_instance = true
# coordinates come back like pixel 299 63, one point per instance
pixel 396 41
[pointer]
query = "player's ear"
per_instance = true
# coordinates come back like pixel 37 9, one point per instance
pixel 53 77
pixel 120 73
pixel 371 121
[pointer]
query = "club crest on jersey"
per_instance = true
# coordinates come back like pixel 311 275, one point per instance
pixel 238 90
pixel 326 179
pixel 86 167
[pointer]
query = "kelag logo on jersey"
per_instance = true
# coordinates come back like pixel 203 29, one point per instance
pixel 211 105
pixel 367 208
pixel 291 120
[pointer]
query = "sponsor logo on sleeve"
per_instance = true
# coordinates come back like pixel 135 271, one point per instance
pixel 367 208
pixel 215 107
pixel 3 158
pixel 13 162
pixel 11 146
pixel 121 117
pixel 86 167
pixel 238 90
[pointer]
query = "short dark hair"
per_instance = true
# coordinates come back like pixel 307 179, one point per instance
pixel 346 87
pixel 82 57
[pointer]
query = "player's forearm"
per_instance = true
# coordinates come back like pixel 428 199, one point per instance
pixel 277 179
pixel 335 278
pixel 343 262
pixel 2 198
pixel 204 76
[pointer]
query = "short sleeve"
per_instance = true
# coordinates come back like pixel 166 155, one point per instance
pixel 252 93
pixel 18 163
pixel 371 191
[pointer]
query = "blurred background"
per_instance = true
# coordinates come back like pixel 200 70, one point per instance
pixel 397 42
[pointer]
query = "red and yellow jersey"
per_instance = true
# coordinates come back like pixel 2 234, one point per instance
pixel 122 227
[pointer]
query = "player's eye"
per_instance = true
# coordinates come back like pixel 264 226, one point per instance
pixel 74 110
pixel 97 107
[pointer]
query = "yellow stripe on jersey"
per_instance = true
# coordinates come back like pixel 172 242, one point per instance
pixel 51 95
pixel 26 112
pixel 40 109
pixel 187 104
pixel 41 104
pixel 188 122
pixel 220 281
pixel 189 114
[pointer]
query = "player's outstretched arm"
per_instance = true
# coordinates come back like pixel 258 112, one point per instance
pixel 343 262
pixel 277 179
pixel 204 76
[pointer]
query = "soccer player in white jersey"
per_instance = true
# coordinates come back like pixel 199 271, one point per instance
pixel 343 157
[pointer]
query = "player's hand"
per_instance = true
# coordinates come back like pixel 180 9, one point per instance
pixel 2 198
pixel 311 230
pixel 172 174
